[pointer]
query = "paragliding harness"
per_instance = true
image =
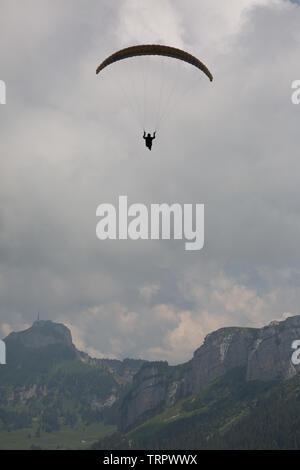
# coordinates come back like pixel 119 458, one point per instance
pixel 148 139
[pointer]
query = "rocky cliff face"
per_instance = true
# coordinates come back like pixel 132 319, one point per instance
pixel 265 353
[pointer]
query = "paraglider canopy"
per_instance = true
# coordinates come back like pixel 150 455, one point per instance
pixel 155 49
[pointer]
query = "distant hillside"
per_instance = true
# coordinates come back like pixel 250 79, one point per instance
pixel 263 353
pixel 48 387
pixel 230 413
pixel 240 390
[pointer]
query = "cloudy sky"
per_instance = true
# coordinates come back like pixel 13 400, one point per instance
pixel 70 140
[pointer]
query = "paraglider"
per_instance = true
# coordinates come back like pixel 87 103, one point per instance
pixel 163 96
pixel 148 139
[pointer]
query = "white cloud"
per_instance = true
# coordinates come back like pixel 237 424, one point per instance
pixel 149 22
pixel 148 291
pixel 6 329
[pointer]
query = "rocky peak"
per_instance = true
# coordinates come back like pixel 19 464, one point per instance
pixel 42 333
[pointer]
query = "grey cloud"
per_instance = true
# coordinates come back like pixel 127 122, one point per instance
pixel 67 145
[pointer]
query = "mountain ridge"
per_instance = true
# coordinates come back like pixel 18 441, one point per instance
pixel 264 352
pixel 48 385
